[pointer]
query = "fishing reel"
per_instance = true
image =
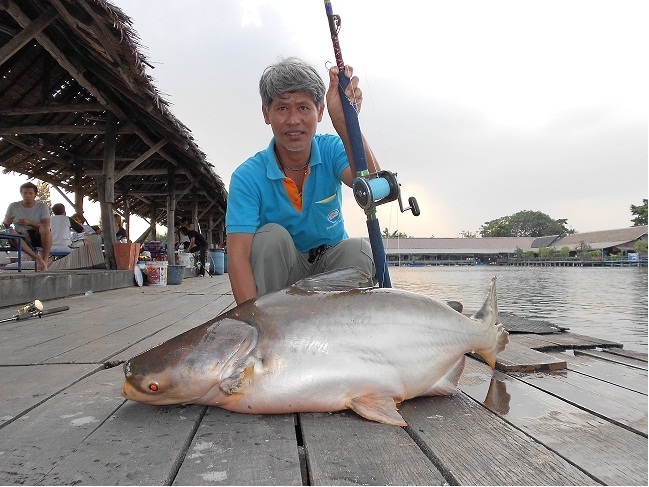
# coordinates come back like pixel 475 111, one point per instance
pixel 30 308
pixel 378 188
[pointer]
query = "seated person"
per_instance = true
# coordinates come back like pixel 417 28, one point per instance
pixel 61 226
pixel 120 231
pixel 87 229
pixel 31 219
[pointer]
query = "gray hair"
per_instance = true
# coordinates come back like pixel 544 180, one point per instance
pixel 291 75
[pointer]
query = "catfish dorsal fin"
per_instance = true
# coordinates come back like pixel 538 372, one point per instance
pixel 488 313
pixel 338 280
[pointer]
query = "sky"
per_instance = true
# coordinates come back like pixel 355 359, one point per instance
pixel 482 108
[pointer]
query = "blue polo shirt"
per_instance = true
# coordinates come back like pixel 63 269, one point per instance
pixel 258 196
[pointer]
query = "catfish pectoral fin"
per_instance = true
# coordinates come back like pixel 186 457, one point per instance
pixel 238 380
pixel 379 409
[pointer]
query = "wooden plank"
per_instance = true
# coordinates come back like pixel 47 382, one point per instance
pixel 641 356
pixel 242 449
pixel 473 446
pixel 518 324
pixel 629 377
pixel 559 341
pixel 345 449
pixel 618 359
pixel 199 317
pixel 138 445
pixel 106 345
pixel 25 387
pixel 609 453
pixel 35 443
pixel 520 358
pixel 603 399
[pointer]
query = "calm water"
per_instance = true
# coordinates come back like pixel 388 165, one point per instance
pixel 608 303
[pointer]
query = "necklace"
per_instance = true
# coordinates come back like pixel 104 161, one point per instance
pixel 279 159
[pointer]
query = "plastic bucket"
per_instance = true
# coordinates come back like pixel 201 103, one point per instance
pixel 218 257
pixel 225 262
pixel 175 274
pixel 185 259
pixel 156 273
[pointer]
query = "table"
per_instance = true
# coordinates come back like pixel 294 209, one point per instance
pixel 15 236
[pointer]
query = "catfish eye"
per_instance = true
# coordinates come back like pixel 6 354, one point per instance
pixel 153 386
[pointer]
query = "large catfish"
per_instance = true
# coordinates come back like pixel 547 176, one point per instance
pixel 327 343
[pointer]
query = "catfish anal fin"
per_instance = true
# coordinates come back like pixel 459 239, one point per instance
pixel 379 409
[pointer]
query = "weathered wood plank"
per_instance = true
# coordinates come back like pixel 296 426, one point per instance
pixel 554 341
pixel 473 446
pixel 99 349
pixel 630 377
pixel 618 359
pixel 35 443
pixel 610 453
pixel 642 356
pixel 138 445
pixel 242 449
pixel 606 400
pixel 22 388
pixel 519 324
pixel 520 358
pixel 345 449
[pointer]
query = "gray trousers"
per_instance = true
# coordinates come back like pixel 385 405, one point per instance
pixel 276 263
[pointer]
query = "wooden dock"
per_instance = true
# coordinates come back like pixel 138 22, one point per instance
pixel 544 417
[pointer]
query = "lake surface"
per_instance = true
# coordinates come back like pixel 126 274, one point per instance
pixel 607 302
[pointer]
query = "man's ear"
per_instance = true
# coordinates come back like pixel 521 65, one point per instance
pixel 265 112
pixel 321 112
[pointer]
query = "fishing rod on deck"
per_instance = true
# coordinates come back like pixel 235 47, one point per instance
pixel 370 189
pixel 33 310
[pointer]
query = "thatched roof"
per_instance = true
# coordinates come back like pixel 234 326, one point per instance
pixel 67 67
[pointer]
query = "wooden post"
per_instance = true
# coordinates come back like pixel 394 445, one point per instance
pixel 210 233
pixel 78 192
pixel 154 211
pixel 171 213
pixel 106 189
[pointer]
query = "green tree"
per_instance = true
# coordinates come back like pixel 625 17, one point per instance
pixel 467 234
pixel 640 247
pixel 396 234
pixel 525 224
pixel 44 193
pixel 640 213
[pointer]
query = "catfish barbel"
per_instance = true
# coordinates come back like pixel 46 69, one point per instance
pixel 327 343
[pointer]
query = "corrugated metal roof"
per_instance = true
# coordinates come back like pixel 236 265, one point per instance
pixel 602 239
pixel 487 245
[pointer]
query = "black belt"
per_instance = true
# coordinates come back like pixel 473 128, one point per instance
pixel 315 254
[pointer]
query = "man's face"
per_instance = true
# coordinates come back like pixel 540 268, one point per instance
pixel 294 118
pixel 29 195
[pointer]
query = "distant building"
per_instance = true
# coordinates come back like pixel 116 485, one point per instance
pixel 608 241
pixel 461 251
pixel 494 250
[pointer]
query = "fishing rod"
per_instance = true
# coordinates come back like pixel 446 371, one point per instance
pixel 33 310
pixel 370 189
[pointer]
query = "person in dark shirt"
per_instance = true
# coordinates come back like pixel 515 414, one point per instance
pixel 119 229
pixel 196 242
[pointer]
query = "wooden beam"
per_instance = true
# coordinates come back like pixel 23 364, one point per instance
pixel 27 34
pixel 23 20
pixel 141 159
pixel 63 129
pixel 137 172
pixel 53 108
